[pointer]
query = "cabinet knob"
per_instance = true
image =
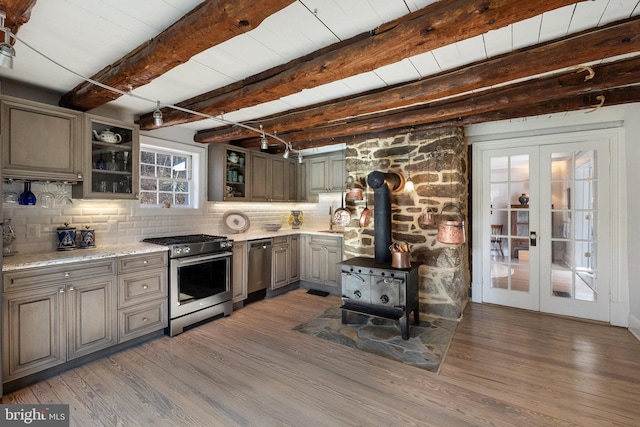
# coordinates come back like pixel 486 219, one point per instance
pixel 61 290
pixel 67 274
pixel 145 287
pixel 71 288
pixel 145 262
pixel 144 319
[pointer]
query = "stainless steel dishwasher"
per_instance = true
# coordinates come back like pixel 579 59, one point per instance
pixel 259 276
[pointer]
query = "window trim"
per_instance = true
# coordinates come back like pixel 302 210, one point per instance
pixel 199 161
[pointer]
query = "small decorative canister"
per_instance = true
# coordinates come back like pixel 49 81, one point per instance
pixel 524 199
pixel 87 238
pixel 295 219
pixel 66 237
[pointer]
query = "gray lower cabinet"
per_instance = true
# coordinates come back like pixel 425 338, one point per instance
pixel 142 295
pixel 321 257
pixel 55 314
pixel 240 265
pixel 285 261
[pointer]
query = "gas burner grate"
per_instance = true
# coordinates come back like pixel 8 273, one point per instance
pixel 181 240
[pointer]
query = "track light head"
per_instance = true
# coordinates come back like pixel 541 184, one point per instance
pixel 299 157
pixel 286 153
pixel 7 52
pixel 264 143
pixel 157 116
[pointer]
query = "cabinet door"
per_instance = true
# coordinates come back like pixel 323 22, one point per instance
pixel 336 175
pixel 34 335
pixel 333 257
pixel 40 141
pixel 91 317
pixel 301 181
pixel 294 259
pixel 316 175
pixel 279 188
pixel 228 168
pixel 112 159
pixel 291 181
pixel 239 271
pixel 280 266
pixel 317 267
pixel 259 177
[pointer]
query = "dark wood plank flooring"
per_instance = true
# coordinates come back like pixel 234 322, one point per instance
pixel 505 367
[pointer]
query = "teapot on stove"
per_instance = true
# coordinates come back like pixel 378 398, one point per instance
pixel 107 136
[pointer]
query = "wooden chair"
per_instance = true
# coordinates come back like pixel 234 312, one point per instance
pixel 496 239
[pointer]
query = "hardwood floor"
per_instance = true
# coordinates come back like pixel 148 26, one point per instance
pixel 505 367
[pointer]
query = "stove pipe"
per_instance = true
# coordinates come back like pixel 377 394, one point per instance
pixel 382 183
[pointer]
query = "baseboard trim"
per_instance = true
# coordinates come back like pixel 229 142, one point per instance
pixel 634 326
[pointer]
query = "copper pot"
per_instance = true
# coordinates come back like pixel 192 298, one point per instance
pixel 451 229
pixel 354 194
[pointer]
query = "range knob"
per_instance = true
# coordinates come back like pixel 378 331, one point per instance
pixel 384 299
pixel 187 249
pixel 177 250
pixel 358 294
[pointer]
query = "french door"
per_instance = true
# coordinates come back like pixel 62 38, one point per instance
pixel 545 222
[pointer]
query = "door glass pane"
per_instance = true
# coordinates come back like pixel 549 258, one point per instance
pixel 509 223
pixel 574 204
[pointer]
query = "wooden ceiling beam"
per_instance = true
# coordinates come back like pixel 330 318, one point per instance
pixel 18 13
pixel 516 96
pixel 437 25
pixel 612 40
pixel 209 24
pixel 590 101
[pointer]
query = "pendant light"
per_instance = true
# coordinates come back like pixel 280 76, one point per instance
pixel 157 116
pixel 408 185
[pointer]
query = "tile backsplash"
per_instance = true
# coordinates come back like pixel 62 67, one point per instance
pixel 120 221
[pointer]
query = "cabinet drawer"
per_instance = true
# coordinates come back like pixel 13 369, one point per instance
pixel 142 319
pixel 34 277
pixel 280 240
pixel 141 262
pixel 143 286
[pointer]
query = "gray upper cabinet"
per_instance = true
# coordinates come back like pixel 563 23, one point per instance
pixel 326 174
pixel 111 159
pixel 268 178
pixel 228 168
pixel 40 141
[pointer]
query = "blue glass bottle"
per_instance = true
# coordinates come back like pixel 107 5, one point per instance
pixel 27 197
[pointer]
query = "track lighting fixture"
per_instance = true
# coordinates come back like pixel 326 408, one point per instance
pixel 286 153
pixel 264 143
pixel 299 157
pixel 157 116
pixel 408 185
pixel 7 52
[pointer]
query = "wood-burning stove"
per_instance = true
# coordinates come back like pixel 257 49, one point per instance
pixel 377 289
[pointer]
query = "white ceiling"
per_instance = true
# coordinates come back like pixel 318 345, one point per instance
pixel 86 35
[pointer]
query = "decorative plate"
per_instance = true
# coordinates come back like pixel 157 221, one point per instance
pixel 236 221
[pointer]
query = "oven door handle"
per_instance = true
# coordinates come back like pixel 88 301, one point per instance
pixel 199 259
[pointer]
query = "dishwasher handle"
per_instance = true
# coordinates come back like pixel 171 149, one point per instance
pixel 260 244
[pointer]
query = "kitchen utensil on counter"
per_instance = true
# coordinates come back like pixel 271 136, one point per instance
pixel 66 237
pixel 295 219
pixel 272 227
pixel 87 238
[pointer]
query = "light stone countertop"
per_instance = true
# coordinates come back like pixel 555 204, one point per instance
pixel 33 260
pixel 24 261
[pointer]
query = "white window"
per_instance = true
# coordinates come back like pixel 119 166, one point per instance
pixel 170 175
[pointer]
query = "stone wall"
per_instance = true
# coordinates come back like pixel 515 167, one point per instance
pixel 437 163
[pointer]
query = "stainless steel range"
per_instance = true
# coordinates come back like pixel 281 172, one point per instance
pixel 377 289
pixel 199 278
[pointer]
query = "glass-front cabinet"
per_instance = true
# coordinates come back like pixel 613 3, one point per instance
pixel 111 149
pixel 228 167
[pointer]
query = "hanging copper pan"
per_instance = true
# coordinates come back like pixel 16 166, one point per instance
pixel 365 216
